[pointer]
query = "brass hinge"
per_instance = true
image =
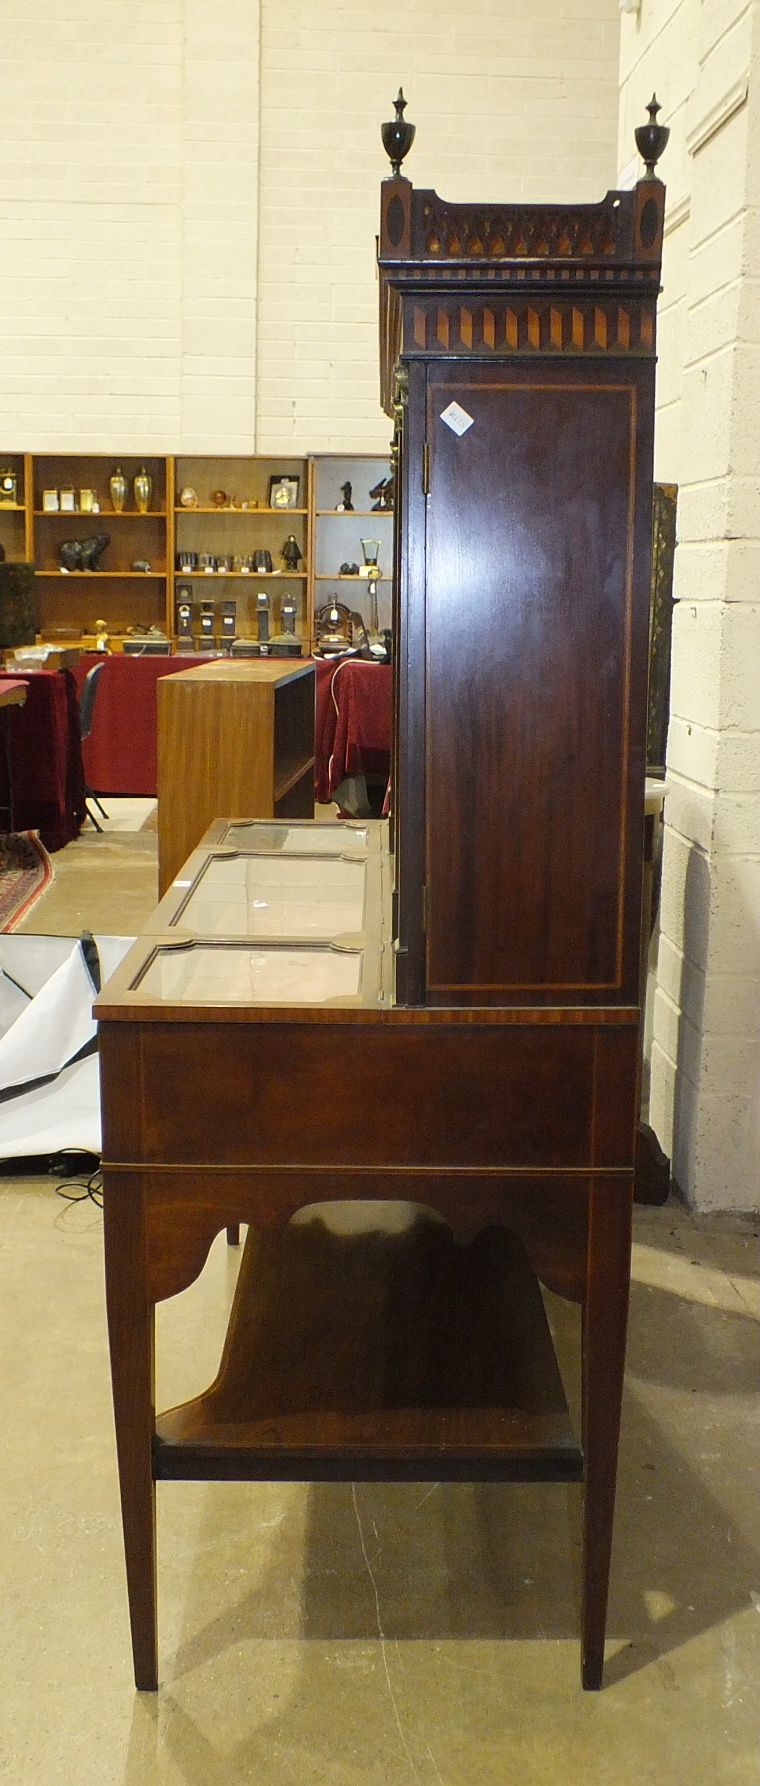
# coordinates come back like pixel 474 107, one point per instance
pixel 426 470
pixel 426 909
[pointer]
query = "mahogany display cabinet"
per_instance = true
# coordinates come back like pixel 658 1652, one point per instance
pixel 480 984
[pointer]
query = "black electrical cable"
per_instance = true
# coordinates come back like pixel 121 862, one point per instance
pixel 76 1189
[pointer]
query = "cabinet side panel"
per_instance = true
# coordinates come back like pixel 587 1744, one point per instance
pixel 533 620
pixel 215 759
pixel 442 1096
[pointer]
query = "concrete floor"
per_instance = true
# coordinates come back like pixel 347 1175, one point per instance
pixel 98 882
pixel 327 1636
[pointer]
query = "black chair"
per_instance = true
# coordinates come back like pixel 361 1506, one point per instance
pixel 86 712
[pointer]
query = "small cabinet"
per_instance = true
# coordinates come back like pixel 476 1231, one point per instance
pixel 235 740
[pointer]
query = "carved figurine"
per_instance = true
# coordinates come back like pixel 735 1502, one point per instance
pixel 291 553
pixel 83 555
pixel 346 491
pixel 383 494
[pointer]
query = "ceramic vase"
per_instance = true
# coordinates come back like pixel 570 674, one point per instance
pixel 118 491
pixel 143 487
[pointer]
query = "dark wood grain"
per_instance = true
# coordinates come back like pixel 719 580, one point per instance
pixel 527 549
pixel 380 1354
pixel 605 1319
pixel 472 1095
pixel 188 1207
pixel 131 1340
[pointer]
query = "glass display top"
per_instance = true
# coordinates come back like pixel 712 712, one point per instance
pixel 276 896
pixel 305 839
pixel 203 973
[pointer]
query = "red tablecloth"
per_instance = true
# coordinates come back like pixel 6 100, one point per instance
pixel 45 759
pixel 120 753
pixel 352 738
pixel 353 730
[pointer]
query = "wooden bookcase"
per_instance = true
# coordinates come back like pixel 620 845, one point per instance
pixel 70 603
pixel 234 738
pixel 338 533
pixel 15 517
pixel 235 531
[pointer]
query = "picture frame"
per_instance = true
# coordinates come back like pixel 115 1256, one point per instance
pixel 283 490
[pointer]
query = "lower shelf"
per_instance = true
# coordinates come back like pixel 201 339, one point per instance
pixel 379 1357
pixel 289 774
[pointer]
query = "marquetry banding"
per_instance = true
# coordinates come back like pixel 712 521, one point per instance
pixel 518 327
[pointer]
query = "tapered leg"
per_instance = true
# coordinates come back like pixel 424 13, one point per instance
pixel 605 1319
pixel 131 1338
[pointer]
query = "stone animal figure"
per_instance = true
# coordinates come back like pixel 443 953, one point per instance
pixel 83 555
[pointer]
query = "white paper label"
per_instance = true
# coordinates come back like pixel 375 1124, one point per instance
pixel 457 419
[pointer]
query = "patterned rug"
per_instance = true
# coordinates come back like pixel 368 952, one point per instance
pixel 25 871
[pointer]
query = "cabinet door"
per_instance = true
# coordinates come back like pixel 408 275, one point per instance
pixel 536 604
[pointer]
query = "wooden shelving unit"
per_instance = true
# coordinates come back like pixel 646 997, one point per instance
pixel 16 520
pixel 236 532
pixel 126 599
pixel 338 533
pixel 116 593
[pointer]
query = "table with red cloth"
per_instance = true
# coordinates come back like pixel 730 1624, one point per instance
pixel 353 721
pixel 353 726
pixel 44 755
pixel 120 755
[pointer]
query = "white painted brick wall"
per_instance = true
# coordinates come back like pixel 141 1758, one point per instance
pixel 509 101
pixel 128 225
pixel 705 1105
pixel 136 293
